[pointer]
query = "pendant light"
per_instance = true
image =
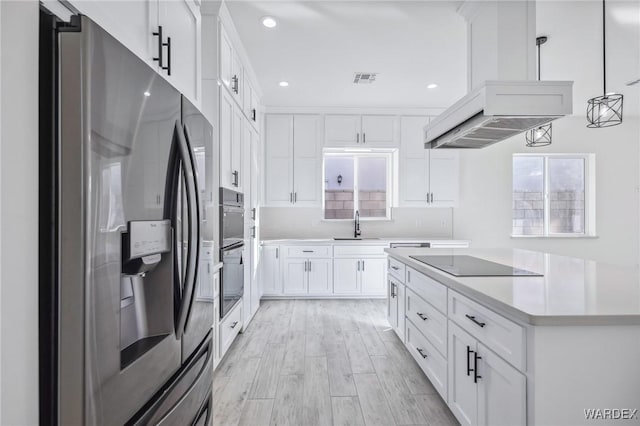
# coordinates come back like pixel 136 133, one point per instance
pixel 541 135
pixel 605 110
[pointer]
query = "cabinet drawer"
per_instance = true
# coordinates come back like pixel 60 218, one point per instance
pixel 431 323
pixel 430 361
pixel 230 326
pixel 428 288
pixel 397 269
pixel 308 251
pixel 358 250
pixel 501 335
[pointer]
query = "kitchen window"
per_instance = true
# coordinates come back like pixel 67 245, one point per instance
pixel 355 181
pixel 553 195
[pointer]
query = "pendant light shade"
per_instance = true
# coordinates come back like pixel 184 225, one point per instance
pixel 605 110
pixel 541 135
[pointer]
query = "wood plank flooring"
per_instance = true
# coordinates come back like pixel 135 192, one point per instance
pixel 323 362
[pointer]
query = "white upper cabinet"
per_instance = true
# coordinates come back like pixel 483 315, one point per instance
pixel 306 163
pixel 378 130
pixel 292 160
pixel 231 69
pixel 428 178
pixel 342 130
pixel 360 130
pixel 231 139
pixel 226 58
pixel 279 160
pixel 181 21
pixel 414 163
pixel 165 34
pixel 131 23
pixel 444 175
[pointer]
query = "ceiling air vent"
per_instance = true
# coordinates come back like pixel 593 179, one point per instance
pixel 364 77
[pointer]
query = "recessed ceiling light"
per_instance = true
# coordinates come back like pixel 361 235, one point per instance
pixel 432 86
pixel 283 84
pixel 147 94
pixel 269 22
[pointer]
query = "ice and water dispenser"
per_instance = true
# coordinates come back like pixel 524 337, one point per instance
pixel 146 288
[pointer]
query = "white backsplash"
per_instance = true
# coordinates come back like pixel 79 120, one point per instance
pixel 298 222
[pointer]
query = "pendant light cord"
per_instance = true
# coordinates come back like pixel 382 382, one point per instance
pixel 604 52
pixel 539 60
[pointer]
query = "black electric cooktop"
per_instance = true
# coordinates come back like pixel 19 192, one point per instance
pixel 469 266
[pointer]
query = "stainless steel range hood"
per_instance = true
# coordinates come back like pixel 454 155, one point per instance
pixel 498 110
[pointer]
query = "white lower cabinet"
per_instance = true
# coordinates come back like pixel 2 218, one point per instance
pixel 483 388
pixel 428 358
pixel 270 279
pixel 372 276
pixel 395 306
pixel 346 276
pixel 229 328
pixel 307 276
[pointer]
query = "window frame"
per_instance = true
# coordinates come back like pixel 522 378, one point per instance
pixel 589 195
pixel 358 153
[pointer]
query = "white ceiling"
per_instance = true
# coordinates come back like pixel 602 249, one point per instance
pixel 318 45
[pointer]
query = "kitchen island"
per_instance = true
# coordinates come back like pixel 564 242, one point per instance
pixel 538 350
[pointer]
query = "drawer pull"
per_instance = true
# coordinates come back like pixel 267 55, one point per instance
pixel 395 268
pixel 234 324
pixel 422 316
pixel 475 321
pixel 421 353
pixel 476 376
pixel 307 251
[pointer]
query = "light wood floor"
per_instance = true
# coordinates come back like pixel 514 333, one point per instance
pixel 323 362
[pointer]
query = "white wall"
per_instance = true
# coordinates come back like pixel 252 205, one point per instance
pixel 573 52
pixel 19 216
pixel 288 222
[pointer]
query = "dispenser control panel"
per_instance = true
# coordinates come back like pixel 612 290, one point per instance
pixel 149 237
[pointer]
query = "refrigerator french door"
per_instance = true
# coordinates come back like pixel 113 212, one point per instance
pixel 133 317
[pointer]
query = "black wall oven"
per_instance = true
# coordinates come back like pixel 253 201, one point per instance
pixel 231 249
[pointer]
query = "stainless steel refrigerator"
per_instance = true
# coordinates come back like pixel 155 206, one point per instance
pixel 133 203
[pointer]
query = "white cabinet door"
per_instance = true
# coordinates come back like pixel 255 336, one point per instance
pixel 401 296
pixel 131 23
pixel 346 276
pixel 306 164
pixel 237 149
pixel 392 303
pixel 373 274
pixel 444 176
pixel 181 20
pixel 226 58
pixel 279 160
pixel 270 271
pixel 247 91
pixel 342 130
pixel 462 389
pixel 295 276
pixel 226 131
pixel 414 163
pixel 501 391
pixel 237 78
pixel 378 130
pixel 320 276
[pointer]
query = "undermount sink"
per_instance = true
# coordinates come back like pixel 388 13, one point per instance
pixel 353 238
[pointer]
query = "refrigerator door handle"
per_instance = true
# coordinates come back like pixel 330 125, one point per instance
pixel 194 221
pixel 180 155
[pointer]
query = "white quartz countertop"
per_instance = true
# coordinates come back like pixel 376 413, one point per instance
pixel 363 241
pixel 572 291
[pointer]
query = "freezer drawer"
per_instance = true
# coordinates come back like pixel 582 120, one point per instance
pixel 186 399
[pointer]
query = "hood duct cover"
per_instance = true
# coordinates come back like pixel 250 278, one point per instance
pixel 499 110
